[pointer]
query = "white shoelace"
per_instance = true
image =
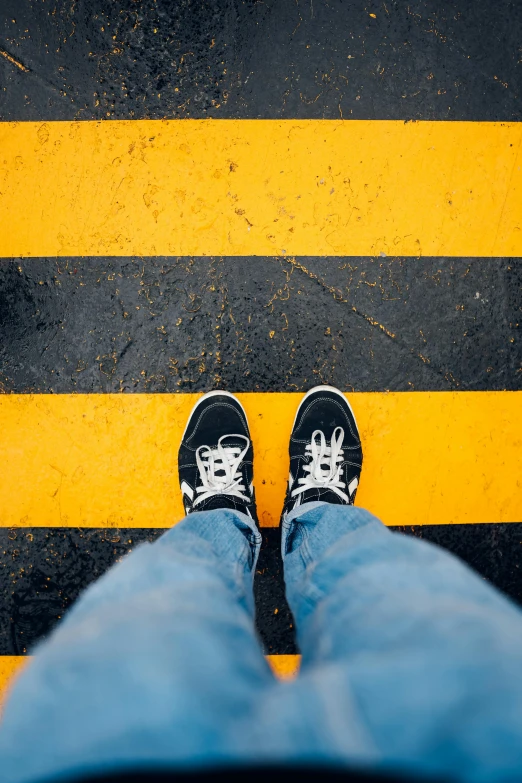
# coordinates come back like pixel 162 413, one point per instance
pixel 219 470
pixel 324 468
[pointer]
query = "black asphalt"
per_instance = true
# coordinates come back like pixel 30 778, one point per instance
pixel 259 324
pixel 421 59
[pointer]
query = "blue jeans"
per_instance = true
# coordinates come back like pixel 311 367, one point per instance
pixel 410 661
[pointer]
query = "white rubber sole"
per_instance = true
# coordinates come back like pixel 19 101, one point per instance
pixel 330 389
pixel 206 397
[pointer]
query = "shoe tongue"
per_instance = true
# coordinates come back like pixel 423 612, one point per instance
pixel 323 495
pixel 221 501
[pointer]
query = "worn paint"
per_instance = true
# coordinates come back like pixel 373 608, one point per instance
pixel 13 61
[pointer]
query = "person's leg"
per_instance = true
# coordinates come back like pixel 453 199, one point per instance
pixel 158 663
pixel 425 653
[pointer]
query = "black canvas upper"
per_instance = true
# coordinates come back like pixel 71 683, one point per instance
pixel 214 417
pixel 325 410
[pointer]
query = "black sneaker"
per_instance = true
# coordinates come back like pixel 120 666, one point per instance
pixel 325 451
pixel 216 457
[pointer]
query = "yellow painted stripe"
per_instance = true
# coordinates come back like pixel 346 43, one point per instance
pixel 10 665
pixel 285 667
pixel 109 460
pixel 260 187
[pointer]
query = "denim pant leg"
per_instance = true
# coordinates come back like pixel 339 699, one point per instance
pixel 425 654
pixel 157 663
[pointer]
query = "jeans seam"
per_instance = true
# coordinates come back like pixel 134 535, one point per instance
pixel 255 541
pixel 305 552
pixel 303 549
pixel 284 537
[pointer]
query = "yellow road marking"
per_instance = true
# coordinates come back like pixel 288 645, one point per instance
pixel 109 460
pixel 260 187
pixel 13 61
pixel 285 667
pixel 10 665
